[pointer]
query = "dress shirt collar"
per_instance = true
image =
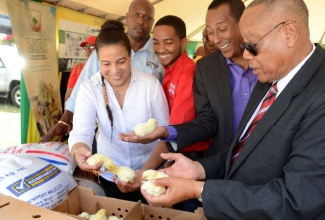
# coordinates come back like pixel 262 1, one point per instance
pixel 148 46
pixel 180 60
pixel 282 83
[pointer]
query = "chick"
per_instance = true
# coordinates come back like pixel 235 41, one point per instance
pixel 152 189
pixel 143 129
pixel 124 173
pixel 96 158
pixel 84 215
pixel 148 186
pixel 153 174
pixel 114 218
pixel 100 215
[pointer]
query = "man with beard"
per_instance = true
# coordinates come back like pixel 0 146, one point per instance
pixel 139 20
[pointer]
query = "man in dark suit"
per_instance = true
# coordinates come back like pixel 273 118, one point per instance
pixel 279 172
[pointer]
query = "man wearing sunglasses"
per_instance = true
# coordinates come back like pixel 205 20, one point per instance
pixel 279 172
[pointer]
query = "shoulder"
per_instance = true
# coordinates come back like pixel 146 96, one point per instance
pixel 185 66
pixel 143 76
pixel 215 57
pixel 95 80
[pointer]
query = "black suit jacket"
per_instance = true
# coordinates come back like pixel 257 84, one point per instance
pixel 280 172
pixel 213 102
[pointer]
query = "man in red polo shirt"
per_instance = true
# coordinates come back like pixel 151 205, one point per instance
pixel 169 44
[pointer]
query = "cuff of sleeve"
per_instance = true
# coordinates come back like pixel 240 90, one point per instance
pixel 172 134
pixel 172 147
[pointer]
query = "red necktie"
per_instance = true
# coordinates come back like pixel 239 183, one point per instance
pixel 267 102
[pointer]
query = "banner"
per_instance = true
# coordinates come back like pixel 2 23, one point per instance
pixel 74 27
pixel 33 26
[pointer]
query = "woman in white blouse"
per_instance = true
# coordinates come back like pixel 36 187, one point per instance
pixel 116 98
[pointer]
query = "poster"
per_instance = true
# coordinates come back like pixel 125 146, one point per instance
pixel 74 27
pixel 33 26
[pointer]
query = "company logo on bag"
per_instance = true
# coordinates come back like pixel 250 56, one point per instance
pixel 34 180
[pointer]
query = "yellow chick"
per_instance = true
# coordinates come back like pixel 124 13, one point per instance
pixel 114 218
pixel 143 129
pixel 153 174
pixel 84 215
pixel 152 189
pixel 96 158
pixel 148 186
pixel 100 215
pixel 124 173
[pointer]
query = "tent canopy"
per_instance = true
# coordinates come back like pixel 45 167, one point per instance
pixel 191 11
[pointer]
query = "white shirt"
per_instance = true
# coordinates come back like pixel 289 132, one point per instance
pixel 144 99
pixel 144 60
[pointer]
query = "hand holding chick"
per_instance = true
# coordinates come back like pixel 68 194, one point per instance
pixel 148 186
pixel 124 173
pixel 146 128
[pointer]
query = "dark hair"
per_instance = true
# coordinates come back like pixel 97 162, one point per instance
pixel 175 22
pixel 236 7
pixel 112 32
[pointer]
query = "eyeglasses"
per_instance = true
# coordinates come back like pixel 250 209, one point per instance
pixel 90 47
pixel 251 47
pixel 205 38
pixel 145 17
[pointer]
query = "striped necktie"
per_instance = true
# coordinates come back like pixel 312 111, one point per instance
pixel 267 102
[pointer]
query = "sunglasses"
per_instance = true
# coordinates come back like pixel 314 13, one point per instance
pixel 90 47
pixel 205 38
pixel 251 47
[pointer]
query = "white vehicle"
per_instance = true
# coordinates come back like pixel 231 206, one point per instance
pixel 10 73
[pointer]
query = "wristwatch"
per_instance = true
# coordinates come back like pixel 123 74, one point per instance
pixel 200 198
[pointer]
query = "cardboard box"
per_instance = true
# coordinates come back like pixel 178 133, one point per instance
pixel 12 208
pixel 83 199
pixel 156 213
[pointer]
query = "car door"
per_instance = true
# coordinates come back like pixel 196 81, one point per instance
pixel 3 71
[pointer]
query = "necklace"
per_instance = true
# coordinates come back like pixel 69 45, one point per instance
pixel 116 92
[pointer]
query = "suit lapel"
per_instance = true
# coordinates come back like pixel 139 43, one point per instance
pixel 223 78
pixel 295 86
pixel 216 80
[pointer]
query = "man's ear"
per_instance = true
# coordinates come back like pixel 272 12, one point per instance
pixel 291 33
pixel 184 43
